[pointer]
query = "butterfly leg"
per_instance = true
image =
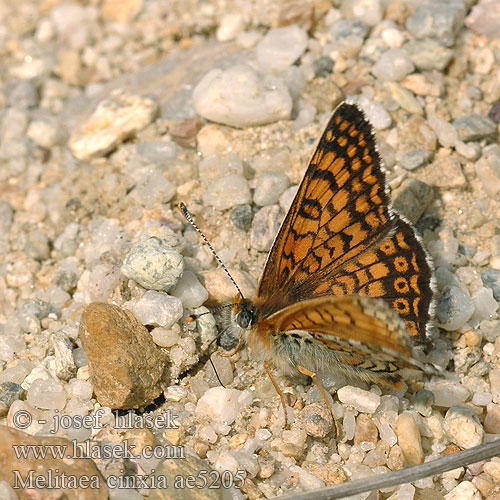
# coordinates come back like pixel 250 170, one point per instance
pixel 233 351
pixel 309 373
pixel 278 390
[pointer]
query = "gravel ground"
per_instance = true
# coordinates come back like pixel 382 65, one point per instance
pixel 113 112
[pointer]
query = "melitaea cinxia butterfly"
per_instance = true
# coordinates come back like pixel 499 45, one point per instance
pixel 347 283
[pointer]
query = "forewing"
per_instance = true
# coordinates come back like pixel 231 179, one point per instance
pixel 340 209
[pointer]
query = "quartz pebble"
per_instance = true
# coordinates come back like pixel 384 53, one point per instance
pixel 393 65
pixel 227 192
pixel 361 400
pixel 454 308
pixel 269 186
pixel 474 127
pixel 462 427
pixel 265 226
pixel 240 97
pixel 409 439
pixel 280 48
pixel 154 265
pixel 190 291
pixel 223 405
pixel 113 121
pixel 448 393
pixel 158 309
pixel 465 490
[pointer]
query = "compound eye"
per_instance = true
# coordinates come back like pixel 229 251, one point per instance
pixel 244 318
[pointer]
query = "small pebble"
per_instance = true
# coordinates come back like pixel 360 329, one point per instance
pixel 323 66
pixel 157 309
pixel 409 439
pixel 227 192
pixel 415 158
pixel 448 393
pixel 474 127
pixel 240 97
pixel 462 427
pixel 317 420
pixel 394 65
pixel 154 265
pixel 280 48
pixel 465 490
pixel 491 279
pixel 427 54
pixel 113 121
pixel 223 405
pixel 269 186
pixel 454 308
pixel 265 226
pixel 242 216
pixel 438 20
pixel 189 289
pixel 361 400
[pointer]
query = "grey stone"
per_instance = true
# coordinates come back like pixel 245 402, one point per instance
pixel 348 27
pixel 454 308
pixel 21 94
pixel 393 65
pixel 474 127
pixel 412 198
pixel 265 226
pixel 9 392
pixel 154 265
pixel 415 158
pixel 427 54
pixel 323 66
pixel 242 216
pixel 439 19
pixel 491 279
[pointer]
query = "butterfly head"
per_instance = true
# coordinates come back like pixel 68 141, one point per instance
pixel 244 313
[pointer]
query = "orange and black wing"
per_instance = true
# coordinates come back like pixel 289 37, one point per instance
pixel 339 220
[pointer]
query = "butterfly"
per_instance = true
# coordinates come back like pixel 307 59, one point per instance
pixel 347 285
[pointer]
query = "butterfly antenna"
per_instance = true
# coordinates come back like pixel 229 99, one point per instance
pixel 185 212
pixel 193 317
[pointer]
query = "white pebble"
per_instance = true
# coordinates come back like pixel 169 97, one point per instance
pixel 393 65
pixel 465 490
pixel 485 306
pixel 154 265
pixel 189 289
pixel 241 98
pixel 46 395
pixel 281 47
pixel 227 192
pixel 364 401
pixel 269 186
pixel 154 189
pixel 462 427
pixel 448 393
pixel 166 337
pixel 159 309
pixel 221 404
pixel 482 398
pixel 230 25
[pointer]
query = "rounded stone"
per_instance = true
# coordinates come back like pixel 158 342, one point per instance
pixel 154 265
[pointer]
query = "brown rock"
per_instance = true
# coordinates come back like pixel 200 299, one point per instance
pixel 328 473
pixel 126 367
pixel 409 439
pixel 317 419
pixel 412 198
pixel 184 132
pixel 77 478
pixel 365 429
